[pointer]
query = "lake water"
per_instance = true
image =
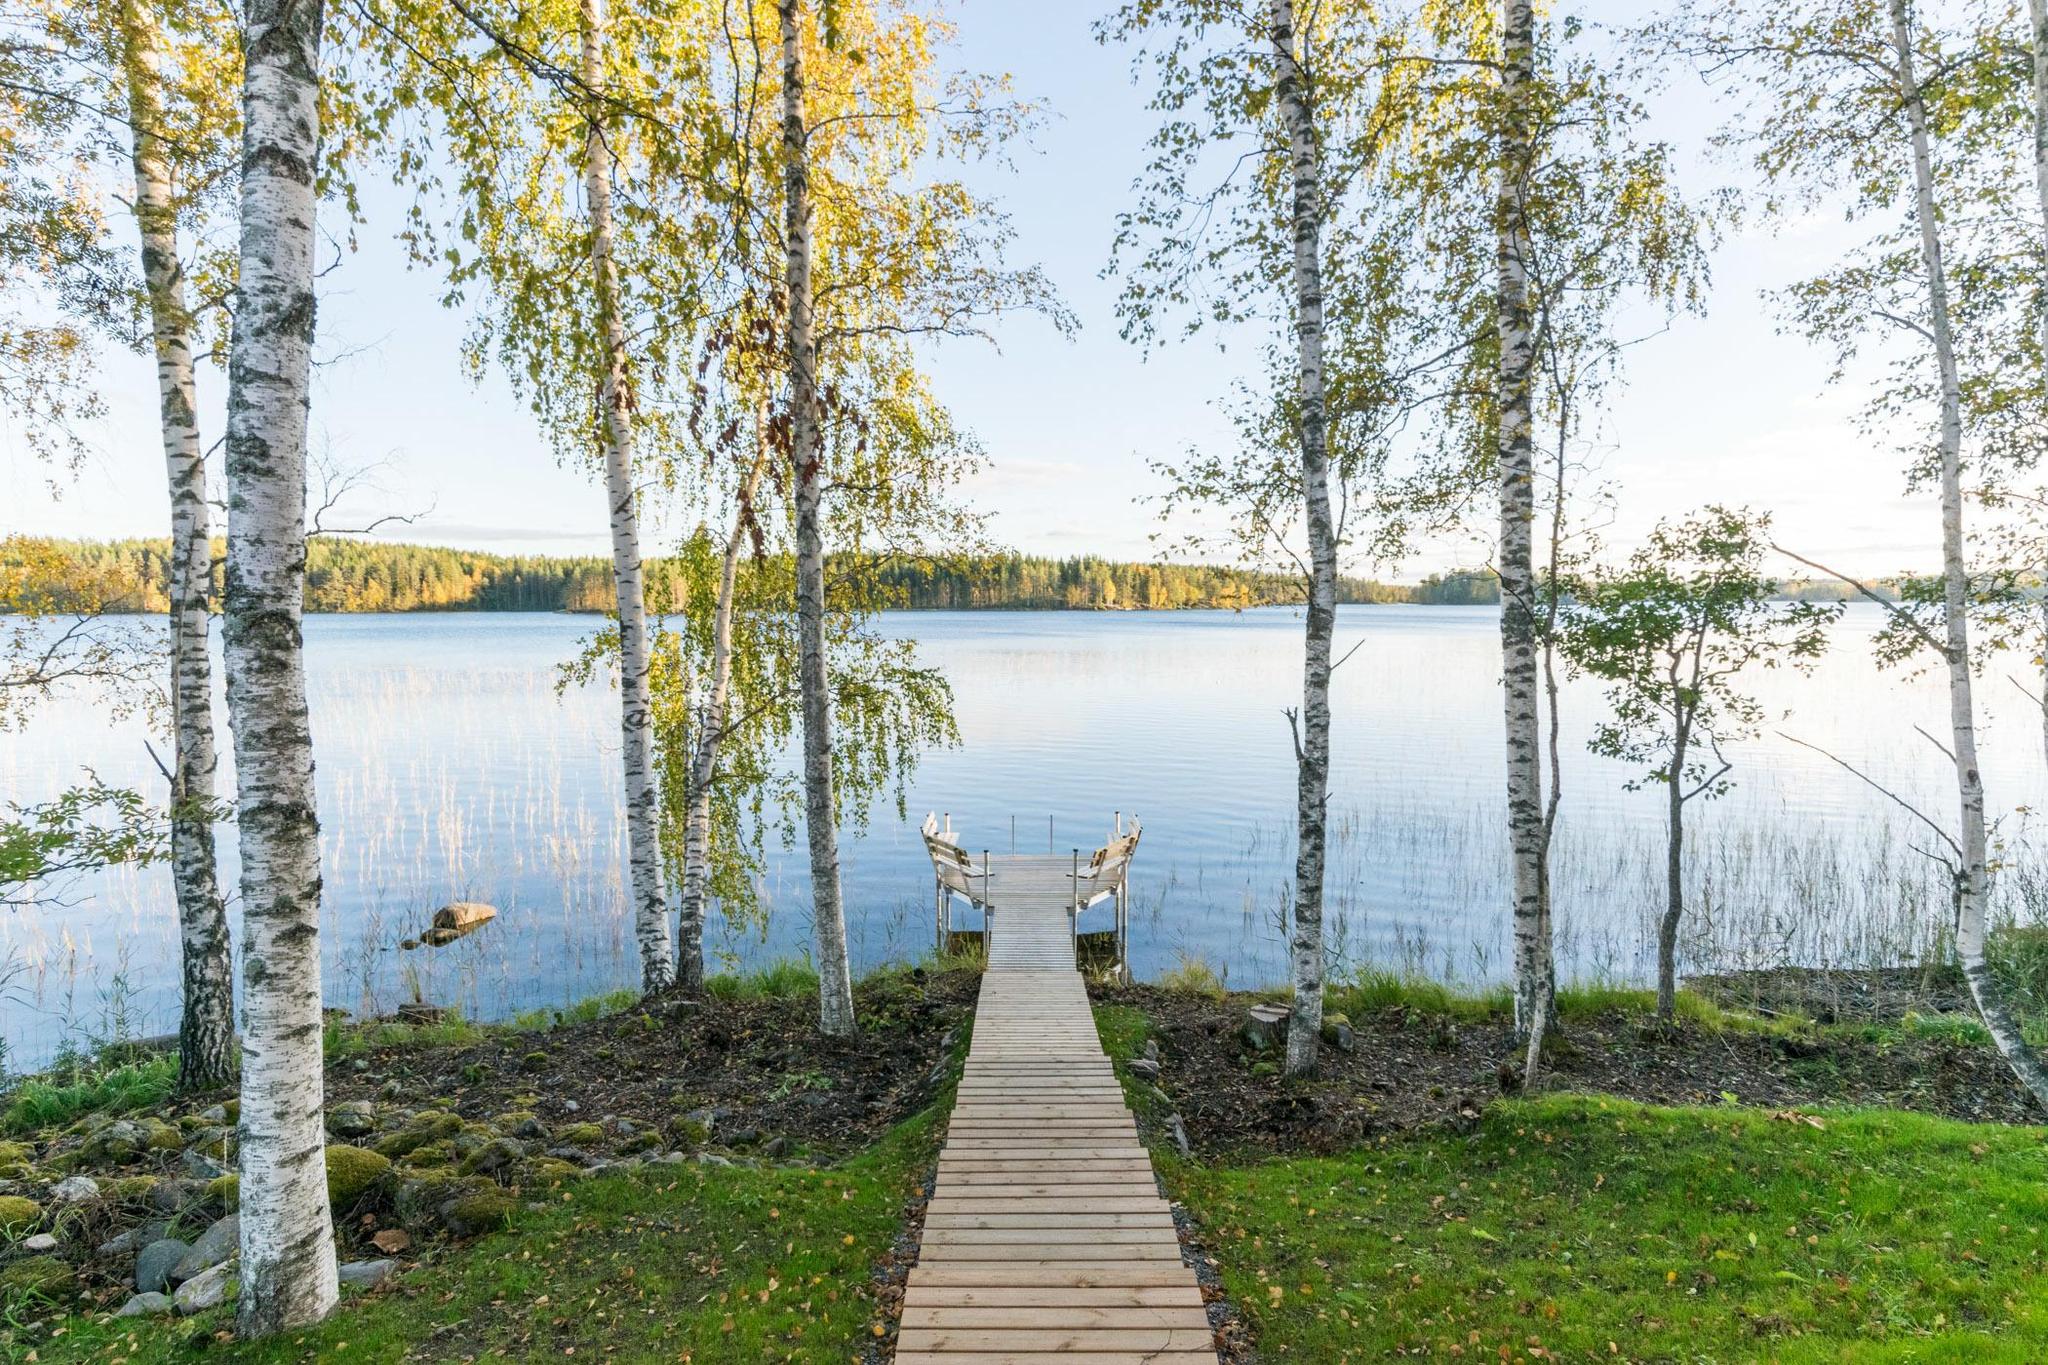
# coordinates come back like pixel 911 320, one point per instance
pixel 450 768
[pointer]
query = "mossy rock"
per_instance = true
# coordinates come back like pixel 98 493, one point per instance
pixel 1265 1068
pixel 640 1142
pixel 548 1171
pixel 164 1137
pixel 534 1061
pixel 19 1216
pixel 133 1187
pixel 691 1132
pixel 428 1155
pixel 433 1125
pixel 36 1277
pixel 226 1191
pixel 351 1171
pixel 580 1135
pixel 475 1214
pixel 15 1154
pixel 420 1200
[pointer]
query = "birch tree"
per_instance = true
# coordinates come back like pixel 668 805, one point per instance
pixel 1535 970
pixel 1282 194
pixel 1846 114
pixel 636 727
pixel 1673 634
pixel 807 466
pixel 540 106
pixel 206 1023
pixel 287 1240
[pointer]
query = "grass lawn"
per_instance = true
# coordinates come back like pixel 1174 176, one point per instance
pixel 1578 1228
pixel 671 1263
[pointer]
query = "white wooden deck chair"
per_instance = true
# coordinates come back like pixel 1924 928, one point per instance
pixel 954 873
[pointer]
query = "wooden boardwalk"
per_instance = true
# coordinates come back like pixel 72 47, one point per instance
pixel 1046 1239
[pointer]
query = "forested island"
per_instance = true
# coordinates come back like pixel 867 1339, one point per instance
pixel 345 575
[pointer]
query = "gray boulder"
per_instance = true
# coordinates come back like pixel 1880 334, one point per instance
pixel 155 1262
pixel 367 1274
pixel 204 1291
pixel 199 1166
pixel 134 1239
pixel 145 1306
pixel 357 1118
pixel 214 1246
pixel 77 1189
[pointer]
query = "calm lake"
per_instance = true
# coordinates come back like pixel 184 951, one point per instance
pixel 449 768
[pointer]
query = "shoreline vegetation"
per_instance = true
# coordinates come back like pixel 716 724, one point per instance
pixel 523 1190
pixel 350 576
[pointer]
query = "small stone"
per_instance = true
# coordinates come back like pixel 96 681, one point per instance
pixel 155 1262
pixel 673 1159
pixel 214 1246
pixel 42 1244
pixel 367 1274
pixel 77 1189
pixel 571 1107
pixel 499 1154
pixel 217 1114
pixel 712 1159
pixel 146 1305
pixel 391 1089
pixel 743 1137
pixel 1178 1131
pixel 208 1289
pixel 775 1147
pixel 1144 1068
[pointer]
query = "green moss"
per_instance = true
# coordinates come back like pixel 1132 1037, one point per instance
pixel 36 1277
pixel 476 1214
pixel 548 1171
pixel 15 1154
pixel 133 1187
pixel 351 1171
pixel 428 1155
pixel 580 1135
pixel 164 1137
pixel 226 1191
pixel 641 1142
pixel 19 1216
pixel 690 1132
pixel 535 1061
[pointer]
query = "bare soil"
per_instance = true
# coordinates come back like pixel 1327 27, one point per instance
pixel 1410 1069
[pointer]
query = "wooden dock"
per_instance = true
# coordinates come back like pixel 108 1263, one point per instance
pixel 1046 1239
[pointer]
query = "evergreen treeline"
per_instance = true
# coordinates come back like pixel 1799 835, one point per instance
pixel 370 576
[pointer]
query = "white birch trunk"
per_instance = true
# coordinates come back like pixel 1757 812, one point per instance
pixel 1972 876
pixel 1674 870
pixel 287 1240
pixel 1312 744
pixel 615 399
pixel 1534 967
pixel 2037 31
pixel 711 734
pixel 806 454
pixel 206 1026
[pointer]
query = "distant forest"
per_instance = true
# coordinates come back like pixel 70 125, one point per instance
pixel 369 576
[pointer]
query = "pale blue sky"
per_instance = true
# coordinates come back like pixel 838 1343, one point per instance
pixel 1719 409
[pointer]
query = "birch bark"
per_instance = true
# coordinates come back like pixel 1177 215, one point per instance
pixel 711 734
pixel 206 1026
pixel 1534 968
pixel 1312 743
pixel 2037 31
pixel 287 1241
pixel 1972 876
pixel 615 400
pixel 835 978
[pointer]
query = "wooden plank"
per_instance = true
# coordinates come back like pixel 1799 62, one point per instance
pixel 1046 1239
